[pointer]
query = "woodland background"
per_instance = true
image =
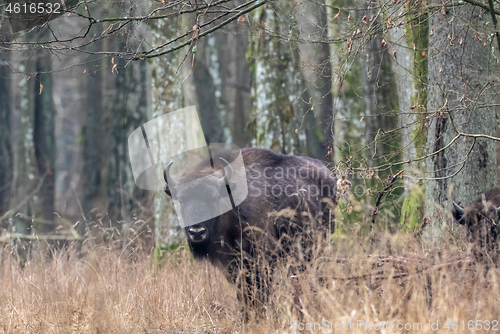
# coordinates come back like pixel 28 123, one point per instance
pixel 398 98
pixel 370 87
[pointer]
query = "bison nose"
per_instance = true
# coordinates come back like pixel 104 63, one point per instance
pixel 197 233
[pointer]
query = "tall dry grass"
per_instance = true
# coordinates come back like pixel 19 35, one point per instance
pixel 113 287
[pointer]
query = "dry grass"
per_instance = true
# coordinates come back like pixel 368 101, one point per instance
pixel 117 290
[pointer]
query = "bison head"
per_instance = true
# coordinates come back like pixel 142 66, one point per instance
pixel 481 219
pixel 202 201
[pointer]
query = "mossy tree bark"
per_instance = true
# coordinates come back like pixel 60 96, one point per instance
pixel 168 91
pixel 410 41
pixel 459 99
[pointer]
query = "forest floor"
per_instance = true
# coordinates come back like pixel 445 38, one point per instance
pixel 110 290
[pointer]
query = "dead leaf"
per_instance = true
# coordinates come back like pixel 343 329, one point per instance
pixel 440 68
pixel 114 68
pixel 432 32
pixel 361 120
pixel 384 43
pixel 395 54
pixel 348 17
pixel 367 57
pixel 241 19
pixel 336 15
pixel 41 88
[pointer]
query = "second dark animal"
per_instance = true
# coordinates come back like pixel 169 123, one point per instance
pixel 482 219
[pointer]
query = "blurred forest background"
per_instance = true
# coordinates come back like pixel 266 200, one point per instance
pixel 370 87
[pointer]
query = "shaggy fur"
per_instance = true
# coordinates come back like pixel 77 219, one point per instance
pixel 267 225
pixel 482 221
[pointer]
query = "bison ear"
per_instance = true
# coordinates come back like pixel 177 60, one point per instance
pixel 458 212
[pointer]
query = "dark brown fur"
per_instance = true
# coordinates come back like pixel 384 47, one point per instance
pixel 266 227
pixel 482 221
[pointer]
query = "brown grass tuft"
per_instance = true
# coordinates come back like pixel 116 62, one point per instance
pixel 117 290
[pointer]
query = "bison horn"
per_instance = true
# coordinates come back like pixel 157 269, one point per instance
pixel 229 172
pixel 458 211
pixel 498 211
pixel 166 175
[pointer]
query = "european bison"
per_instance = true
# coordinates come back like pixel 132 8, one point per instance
pixel 482 219
pixel 289 199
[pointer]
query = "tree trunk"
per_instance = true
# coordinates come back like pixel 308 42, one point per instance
pixel 278 95
pixel 24 156
pixel 92 133
pixel 205 89
pixel 379 94
pixel 165 79
pixel 231 45
pixel 6 160
pixel 410 42
pixel 315 58
pixel 129 111
pixel 459 96
pixel 43 135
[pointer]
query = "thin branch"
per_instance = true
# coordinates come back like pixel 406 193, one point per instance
pixel 180 46
pixel 389 183
pixel 494 19
pixel 483 5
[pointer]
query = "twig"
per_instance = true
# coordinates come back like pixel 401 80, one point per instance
pixel 483 5
pixel 390 181
pixel 206 32
pixel 494 19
